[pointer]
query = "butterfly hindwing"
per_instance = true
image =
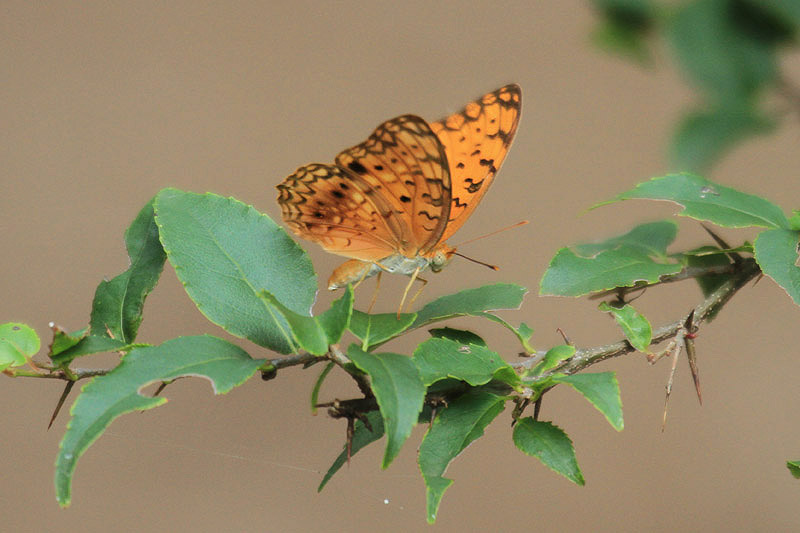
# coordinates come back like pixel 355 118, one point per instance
pixel 324 204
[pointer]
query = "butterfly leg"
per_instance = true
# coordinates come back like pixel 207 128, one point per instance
pixel 405 292
pixel 419 291
pixel 375 294
pixel 363 277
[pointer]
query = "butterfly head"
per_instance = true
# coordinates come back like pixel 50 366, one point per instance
pixel 440 256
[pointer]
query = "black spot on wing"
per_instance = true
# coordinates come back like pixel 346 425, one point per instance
pixel 489 163
pixel 357 167
pixel 474 186
pixel 458 203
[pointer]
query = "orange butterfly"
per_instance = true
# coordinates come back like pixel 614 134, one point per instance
pixel 391 202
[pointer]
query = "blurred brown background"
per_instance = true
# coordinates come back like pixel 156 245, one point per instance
pixel 104 104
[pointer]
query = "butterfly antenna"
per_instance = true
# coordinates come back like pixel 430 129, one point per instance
pixel 493 267
pixel 512 226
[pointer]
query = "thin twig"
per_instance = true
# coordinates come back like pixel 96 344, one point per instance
pixel 585 357
pixel 361 379
pixel 684 274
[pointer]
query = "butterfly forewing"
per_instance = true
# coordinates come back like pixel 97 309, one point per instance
pixel 476 140
pixel 404 164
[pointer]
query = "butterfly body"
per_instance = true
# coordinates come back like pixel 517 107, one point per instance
pixel 355 270
pixel 391 202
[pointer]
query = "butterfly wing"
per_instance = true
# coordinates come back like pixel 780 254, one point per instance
pixel 476 140
pixel 326 205
pixel 403 165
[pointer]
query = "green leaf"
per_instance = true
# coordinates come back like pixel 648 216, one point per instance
pixel 318 386
pixel 118 303
pixel 705 200
pixel 636 327
pixel 471 301
pixel 712 257
pixel 21 336
pixel 315 334
pixel 88 345
pixel 18 342
pixel 10 355
pixel 571 275
pixel 105 398
pixel 651 238
pixel 460 423
pixel 548 443
pixel 776 253
pixel 704 136
pixel 622 41
pixel 379 328
pixel 439 359
pixel 459 335
pixel 637 15
pixel 523 332
pixel 787 13
pixel 794 221
pixel 335 320
pixel 362 437
pixel 399 391
pixel 63 340
pixel 624 28
pixel 602 391
pixel 551 359
pixel 717 51
pixel 794 468
pixel 225 253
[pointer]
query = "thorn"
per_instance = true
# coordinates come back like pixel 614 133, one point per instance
pixel 676 353
pixel 61 401
pixel 435 402
pixel 691 354
pixel 365 421
pixel 351 429
pixel 161 388
pixel 536 408
pixel 519 408
pixel 735 257
pixel 564 336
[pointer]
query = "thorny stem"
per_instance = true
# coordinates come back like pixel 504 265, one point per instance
pixel 583 357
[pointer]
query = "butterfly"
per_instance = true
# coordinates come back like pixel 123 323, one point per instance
pixel 391 202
